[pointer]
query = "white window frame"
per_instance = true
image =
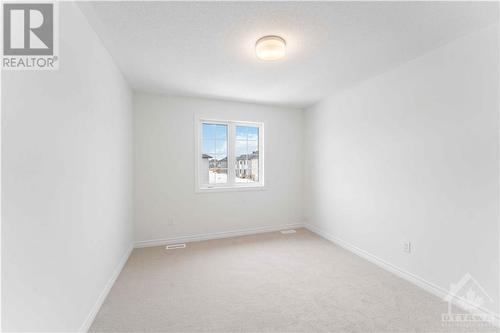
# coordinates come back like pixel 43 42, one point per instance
pixel 231 185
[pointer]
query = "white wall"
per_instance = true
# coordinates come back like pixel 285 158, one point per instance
pixel 165 202
pixel 412 155
pixel 66 171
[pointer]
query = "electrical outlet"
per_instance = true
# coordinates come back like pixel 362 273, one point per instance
pixel 407 247
pixel 170 222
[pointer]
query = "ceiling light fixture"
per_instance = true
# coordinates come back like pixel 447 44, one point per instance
pixel 270 48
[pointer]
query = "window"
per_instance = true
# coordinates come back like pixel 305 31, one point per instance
pixel 229 155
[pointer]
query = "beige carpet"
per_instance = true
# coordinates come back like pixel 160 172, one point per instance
pixel 265 283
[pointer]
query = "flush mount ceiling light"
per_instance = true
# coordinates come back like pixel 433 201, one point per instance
pixel 270 48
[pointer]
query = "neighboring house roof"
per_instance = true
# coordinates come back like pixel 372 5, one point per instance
pixel 208 156
pixel 251 156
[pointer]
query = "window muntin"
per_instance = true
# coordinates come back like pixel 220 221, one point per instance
pixel 230 155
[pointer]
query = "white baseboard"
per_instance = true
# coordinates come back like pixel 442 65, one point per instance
pixel 410 277
pixel 215 235
pixel 100 300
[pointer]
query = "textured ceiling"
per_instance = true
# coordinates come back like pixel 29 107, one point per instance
pixel 206 49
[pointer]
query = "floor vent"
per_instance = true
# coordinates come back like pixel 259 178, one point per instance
pixel 175 246
pixel 290 231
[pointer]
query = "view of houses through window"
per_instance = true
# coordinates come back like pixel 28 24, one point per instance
pixel 247 154
pixel 216 157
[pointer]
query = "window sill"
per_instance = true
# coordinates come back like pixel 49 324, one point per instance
pixel 231 189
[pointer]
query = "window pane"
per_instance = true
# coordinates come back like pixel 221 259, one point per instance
pixel 212 162
pixel 206 160
pixel 253 147
pixel 209 131
pixel 240 148
pixel 247 171
pixel 254 169
pixel 217 176
pixel 240 180
pixel 214 154
pixel 241 132
pixel 247 154
pixel 221 176
pixel 221 161
pixel 221 132
pixel 253 133
pixel 208 147
pixel 241 169
pixel 221 147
